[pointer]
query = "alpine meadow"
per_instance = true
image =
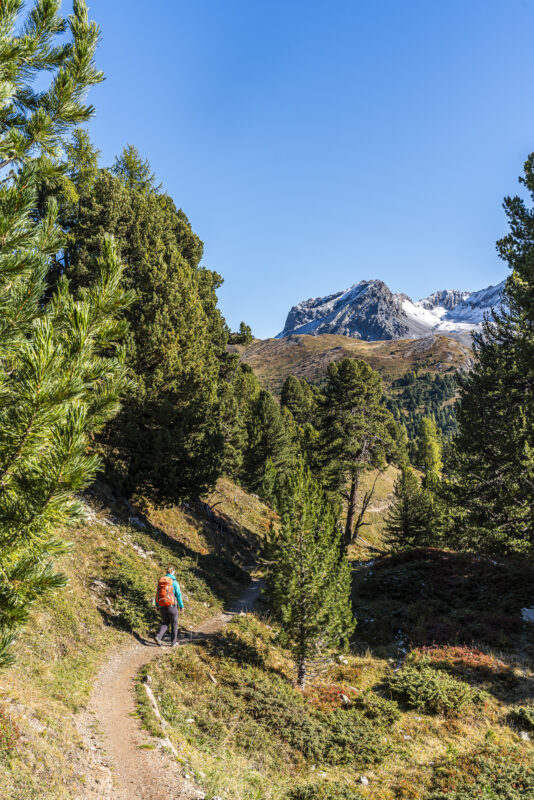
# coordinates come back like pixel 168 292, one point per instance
pixel 334 525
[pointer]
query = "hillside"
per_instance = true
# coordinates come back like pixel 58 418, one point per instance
pixel 46 743
pixel 308 356
pixel 433 703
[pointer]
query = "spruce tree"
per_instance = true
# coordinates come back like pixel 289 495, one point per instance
pixel 492 478
pixel 410 516
pixel 356 434
pixel 61 367
pixel 268 445
pixel 309 579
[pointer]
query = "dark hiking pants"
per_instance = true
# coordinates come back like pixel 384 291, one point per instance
pixel 169 619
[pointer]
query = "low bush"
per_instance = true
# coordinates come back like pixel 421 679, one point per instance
pixel 272 702
pixel 383 711
pixel 462 659
pixel 491 773
pixel 350 738
pixel 341 736
pixel 326 698
pixel 432 691
pixel 523 716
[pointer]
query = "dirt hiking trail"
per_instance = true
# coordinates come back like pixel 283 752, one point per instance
pixel 118 767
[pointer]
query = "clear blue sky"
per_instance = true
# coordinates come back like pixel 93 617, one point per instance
pixel 315 143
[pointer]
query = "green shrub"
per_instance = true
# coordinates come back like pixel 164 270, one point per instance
pixel 383 711
pixel 431 690
pixel 523 716
pixel 489 773
pixel 350 738
pixel 274 703
pixel 342 736
pixel 328 791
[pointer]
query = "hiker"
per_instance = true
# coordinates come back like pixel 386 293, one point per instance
pixel 168 598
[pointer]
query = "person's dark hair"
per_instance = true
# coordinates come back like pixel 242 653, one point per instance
pixel 170 569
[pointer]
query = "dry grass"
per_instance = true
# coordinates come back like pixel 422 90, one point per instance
pixel 309 356
pixel 375 519
pixel 233 752
pixel 60 651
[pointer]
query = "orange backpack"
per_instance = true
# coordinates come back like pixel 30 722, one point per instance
pixel 165 593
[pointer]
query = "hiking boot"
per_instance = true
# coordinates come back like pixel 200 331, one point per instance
pixel 158 641
pixel 174 644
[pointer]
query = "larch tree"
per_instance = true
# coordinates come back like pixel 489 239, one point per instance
pixel 61 364
pixel 309 579
pixel 429 456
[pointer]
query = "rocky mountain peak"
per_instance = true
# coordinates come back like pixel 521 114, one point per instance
pixel 368 310
pixel 447 298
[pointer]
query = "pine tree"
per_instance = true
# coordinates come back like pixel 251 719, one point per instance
pixel 356 435
pixel 167 443
pixel 410 516
pixel 268 439
pixel 493 466
pixel 243 335
pixel 310 576
pixel 61 367
pixel 234 431
pixel 302 400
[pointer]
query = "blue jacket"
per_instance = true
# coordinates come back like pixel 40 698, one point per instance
pixel 176 589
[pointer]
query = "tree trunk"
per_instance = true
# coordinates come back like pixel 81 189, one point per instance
pixel 351 511
pixel 301 672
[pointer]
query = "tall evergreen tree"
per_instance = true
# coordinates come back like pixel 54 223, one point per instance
pixel 493 473
pixel 299 397
pixel 243 335
pixel 61 368
pixel 310 575
pixel 268 444
pixel 409 518
pixel 167 442
pixel 355 434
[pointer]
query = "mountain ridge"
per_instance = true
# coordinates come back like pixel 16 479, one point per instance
pixel 370 311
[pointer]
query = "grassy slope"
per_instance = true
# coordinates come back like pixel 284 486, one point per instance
pixel 113 569
pixel 245 733
pixel 373 529
pixel 253 735
pixel 308 356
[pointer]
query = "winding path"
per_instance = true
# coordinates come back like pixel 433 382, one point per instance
pixel 119 766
